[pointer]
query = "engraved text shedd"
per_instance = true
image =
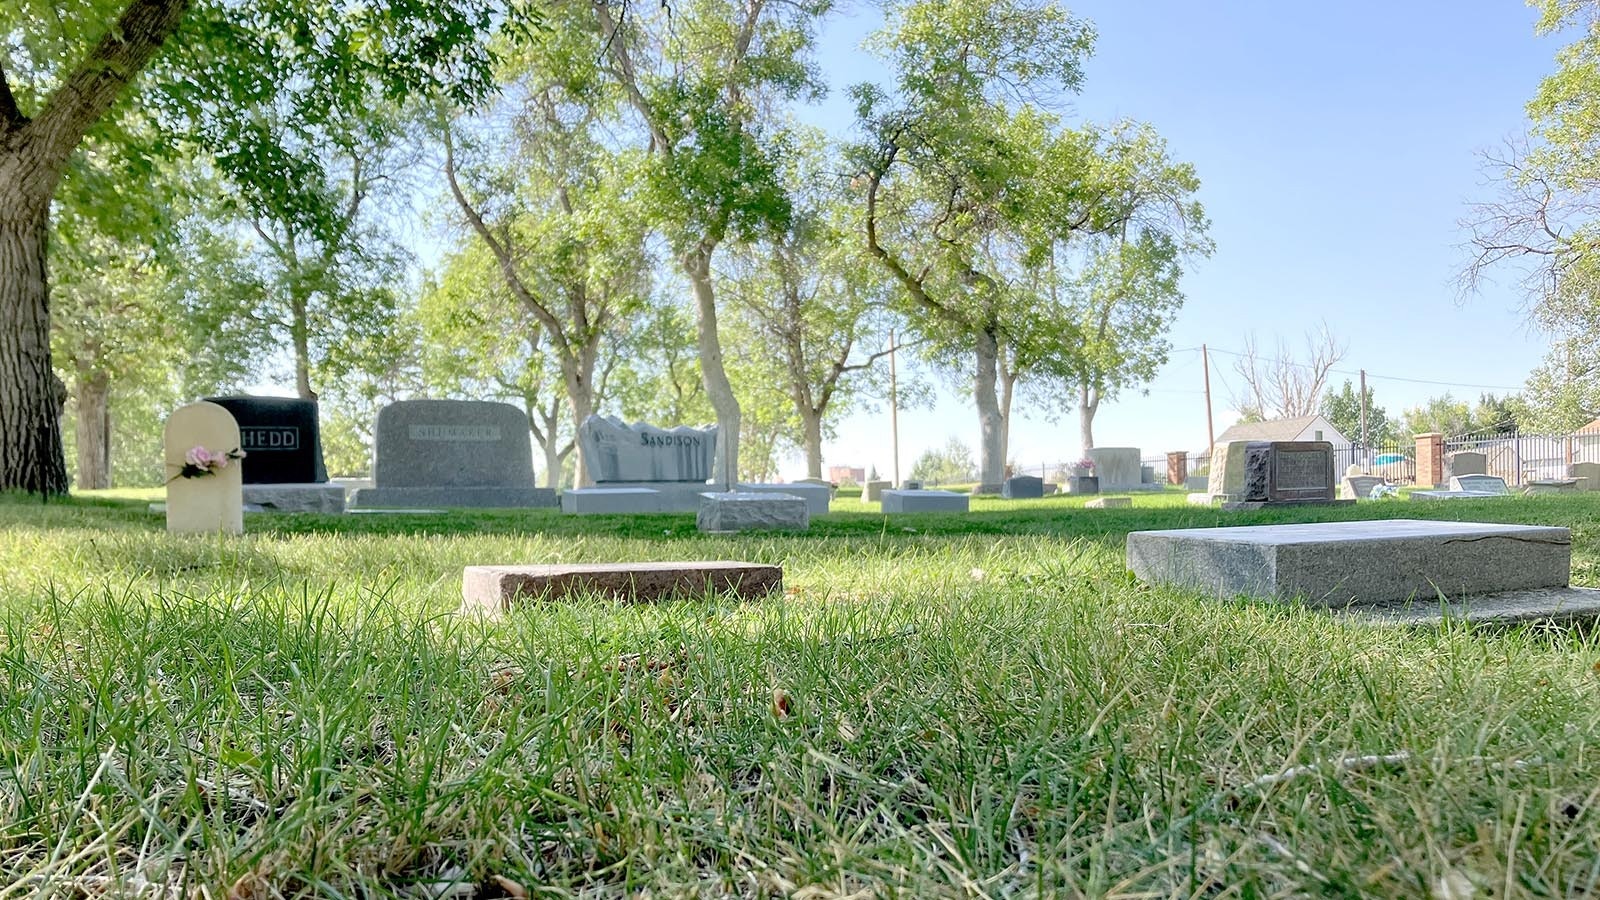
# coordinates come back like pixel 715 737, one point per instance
pixel 456 433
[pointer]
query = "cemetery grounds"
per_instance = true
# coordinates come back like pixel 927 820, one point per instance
pixel 963 706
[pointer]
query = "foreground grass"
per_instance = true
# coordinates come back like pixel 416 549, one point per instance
pixel 938 706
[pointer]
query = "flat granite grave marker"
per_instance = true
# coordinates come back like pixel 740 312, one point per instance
pixel 1109 503
pixel 895 502
pixel 205 503
pixel 611 501
pixel 1551 486
pixel 1493 485
pixel 1339 563
pixel 494 589
pixel 470 453
pixel 1023 487
pixel 816 496
pixel 751 511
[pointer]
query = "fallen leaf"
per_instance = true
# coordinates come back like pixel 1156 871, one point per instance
pixel 511 888
pixel 782 703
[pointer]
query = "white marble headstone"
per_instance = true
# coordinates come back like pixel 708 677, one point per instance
pixel 207 503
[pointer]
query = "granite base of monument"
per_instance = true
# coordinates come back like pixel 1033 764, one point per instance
pixel 1237 505
pixel 923 501
pixel 296 498
pixel 609 501
pixel 1341 563
pixel 1456 495
pixel 494 589
pixel 469 497
pixel 752 511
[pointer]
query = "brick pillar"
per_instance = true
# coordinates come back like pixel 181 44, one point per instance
pixel 1430 459
pixel 1177 466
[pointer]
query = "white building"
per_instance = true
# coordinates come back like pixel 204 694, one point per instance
pixel 1303 428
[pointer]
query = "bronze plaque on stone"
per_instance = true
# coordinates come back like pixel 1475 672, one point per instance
pixel 1301 470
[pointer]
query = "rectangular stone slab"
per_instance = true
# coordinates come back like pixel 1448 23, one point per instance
pixel 1343 563
pixel 493 589
pixel 923 501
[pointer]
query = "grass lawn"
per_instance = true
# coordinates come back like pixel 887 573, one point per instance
pixel 978 706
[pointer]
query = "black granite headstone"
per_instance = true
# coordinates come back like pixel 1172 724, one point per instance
pixel 1023 487
pixel 280 439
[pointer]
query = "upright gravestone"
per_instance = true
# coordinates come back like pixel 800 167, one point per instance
pixel 1023 487
pixel 872 491
pixel 660 469
pixel 453 453
pixel 1468 462
pixel 1118 468
pixel 1587 473
pixel 204 484
pixel 1358 487
pixel 1254 474
pixel 282 468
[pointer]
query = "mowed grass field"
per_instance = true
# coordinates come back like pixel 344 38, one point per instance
pixel 941 706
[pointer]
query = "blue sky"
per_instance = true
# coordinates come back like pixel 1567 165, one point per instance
pixel 1337 147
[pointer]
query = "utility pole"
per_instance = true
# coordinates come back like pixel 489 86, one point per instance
pixel 894 411
pixel 1211 434
pixel 1366 448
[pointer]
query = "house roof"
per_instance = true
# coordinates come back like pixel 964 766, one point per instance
pixel 1275 430
pixel 1591 428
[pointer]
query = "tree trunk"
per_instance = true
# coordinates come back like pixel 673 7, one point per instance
pixel 93 395
pixel 552 462
pixel 578 376
pixel 697 265
pixel 31 395
pixel 1088 405
pixel 811 423
pixel 991 421
pixel 300 333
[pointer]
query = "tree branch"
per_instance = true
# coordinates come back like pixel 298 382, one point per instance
pixel 90 90
pixel 10 116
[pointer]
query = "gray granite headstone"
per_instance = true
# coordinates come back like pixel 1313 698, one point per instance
pixel 1118 468
pixel 1023 487
pixel 639 453
pixel 453 453
pixel 872 491
pixel 1468 462
pixel 1588 475
pixel 1482 484
pixel 923 501
pixel 1358 487
pixel 1265 473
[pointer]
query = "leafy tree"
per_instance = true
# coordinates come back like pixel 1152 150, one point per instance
pixel 698 76
pixel 558 210
pixel 950 464
pixel 657 378
pixel 803 298
pixel 1444 414
pixel 1543 228
pixel 63 70
pixel 1343 409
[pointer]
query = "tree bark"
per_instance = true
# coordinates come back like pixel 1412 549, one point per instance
pixel 991 421
pixel 811 424
pixel 697 265
pixel 31 396
pixel 1088 405
pixel 92 391
pixel 33 155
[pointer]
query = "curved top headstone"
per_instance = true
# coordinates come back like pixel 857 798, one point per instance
pixel 614 451
pixel 452 443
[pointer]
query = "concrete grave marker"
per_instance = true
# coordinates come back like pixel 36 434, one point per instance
pixel 495 589
pixel 816 496
pixel 872 491
pixel 453 453
pixel 1552 486
pixel 1109 503
pixel 206 503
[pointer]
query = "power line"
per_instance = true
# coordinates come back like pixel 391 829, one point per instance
pixel 1370 374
